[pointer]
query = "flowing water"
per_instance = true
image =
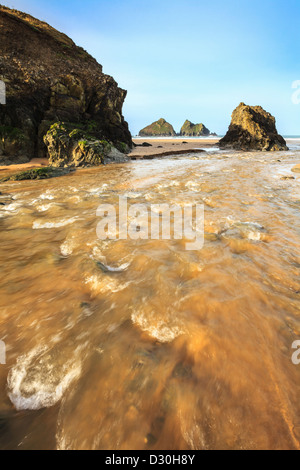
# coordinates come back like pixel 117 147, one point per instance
pixel 164 348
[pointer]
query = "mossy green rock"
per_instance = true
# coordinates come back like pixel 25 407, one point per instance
pixel 36 174
pixel 70 146
pixel 194 130
pixel 160 128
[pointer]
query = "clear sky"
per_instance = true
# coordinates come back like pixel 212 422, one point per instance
pixel 188 59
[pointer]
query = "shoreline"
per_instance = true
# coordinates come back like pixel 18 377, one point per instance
pixel 158 148
pixel 34 163
pixel 163 147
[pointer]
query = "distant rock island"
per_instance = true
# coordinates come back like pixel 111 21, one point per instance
pixel 158 128
pixel 162 128
pixel 252 128
pixel 60 104
pixel 194 130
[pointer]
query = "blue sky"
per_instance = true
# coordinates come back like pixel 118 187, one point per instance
pixel 190 59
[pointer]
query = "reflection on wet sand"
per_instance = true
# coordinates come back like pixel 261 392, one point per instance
pixel 165 348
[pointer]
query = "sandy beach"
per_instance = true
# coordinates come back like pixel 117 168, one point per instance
pixel 164 147
pixel 159 147
pixel 34 163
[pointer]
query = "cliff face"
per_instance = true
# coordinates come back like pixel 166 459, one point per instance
pixel 158 128
pixel 49 80
pixel 252 128
pixel 197 130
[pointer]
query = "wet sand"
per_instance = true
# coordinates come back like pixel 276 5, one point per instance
pixel 160 147
pixel 34 163
pixel 165 147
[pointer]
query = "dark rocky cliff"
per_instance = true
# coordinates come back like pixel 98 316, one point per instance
pixel 50 80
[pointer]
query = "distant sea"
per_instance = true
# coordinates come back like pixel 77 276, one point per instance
pixel 296 137
pixel 290 137
pixel 179 137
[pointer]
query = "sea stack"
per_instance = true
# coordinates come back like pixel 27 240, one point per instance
pixel 252 128
pixel 59 103
pixel 194 130
pixel 160 128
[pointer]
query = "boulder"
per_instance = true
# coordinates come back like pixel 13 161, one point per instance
pixel 48 79
pixel 194 130
pixel 144 144
pixel 75 147
pixel 252 128
pixel 160 128
pixel 37 174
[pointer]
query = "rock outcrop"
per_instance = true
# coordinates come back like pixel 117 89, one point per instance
pixel 194 130
pixel 37 174
pixel 69 147
pixel 50 80
pixel 160 128
pixel 252 128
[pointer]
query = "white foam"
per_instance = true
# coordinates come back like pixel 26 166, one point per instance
pixel 132 195
pixel 251 225
pixel 254 236
pixel 192 186
pixel 118 269
pixel 104 284
pixel 11 207
pixel 45 386
pixel 253 231
pixel 99 190
pixel 67 247
pixel 47 225
pixel 163 331
pixel 44 207
pixel 97 254
pixel 47 195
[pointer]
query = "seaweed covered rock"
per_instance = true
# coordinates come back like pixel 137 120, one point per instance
pixel 160 128
pixel 74 147
pixel 194 130
pixel 252 128
pixel 37 174
pixel 49 79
